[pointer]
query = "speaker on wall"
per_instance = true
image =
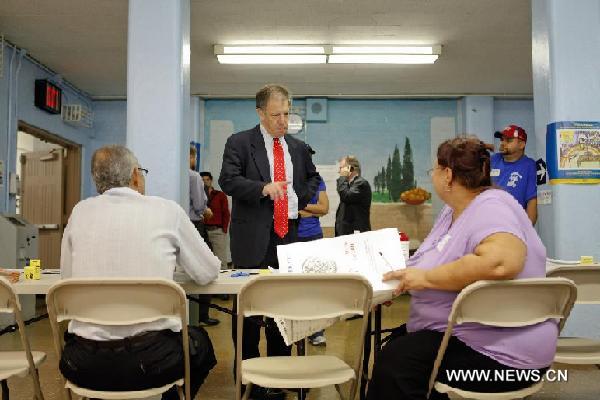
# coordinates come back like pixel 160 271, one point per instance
pixel 316 109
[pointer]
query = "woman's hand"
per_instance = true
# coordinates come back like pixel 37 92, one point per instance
pixel 410 279
pixel 13 277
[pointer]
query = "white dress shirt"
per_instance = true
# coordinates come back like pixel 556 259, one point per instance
pixel 289 170
pixel 122 233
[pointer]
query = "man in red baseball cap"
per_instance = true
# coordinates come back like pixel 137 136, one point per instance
pixel 512 170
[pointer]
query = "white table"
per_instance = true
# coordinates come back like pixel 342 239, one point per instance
pixel 225 284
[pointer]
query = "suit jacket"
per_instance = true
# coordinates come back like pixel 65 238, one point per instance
pixel 244 173
pixel 353 213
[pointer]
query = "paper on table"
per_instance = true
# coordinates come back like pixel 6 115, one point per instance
pixel 370 254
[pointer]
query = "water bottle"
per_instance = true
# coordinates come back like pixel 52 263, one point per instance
pixel 405 245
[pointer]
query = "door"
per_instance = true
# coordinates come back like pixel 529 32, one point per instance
pixel 42 194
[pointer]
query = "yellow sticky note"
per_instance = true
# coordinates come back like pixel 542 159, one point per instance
pixel 586 260
pixel 264 272
pixel 35 263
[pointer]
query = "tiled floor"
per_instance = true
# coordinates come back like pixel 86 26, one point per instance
pixel 583 383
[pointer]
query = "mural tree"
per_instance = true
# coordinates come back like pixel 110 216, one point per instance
pixel 408 169
pixel 395 185
pixel 388 177
pixel 398 176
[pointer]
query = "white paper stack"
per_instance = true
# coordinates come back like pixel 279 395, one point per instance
pixel 370 254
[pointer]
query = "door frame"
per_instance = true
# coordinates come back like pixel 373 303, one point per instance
pixel 73 184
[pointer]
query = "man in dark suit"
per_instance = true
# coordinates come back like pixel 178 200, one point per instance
pixel 353 213
pixel 258 166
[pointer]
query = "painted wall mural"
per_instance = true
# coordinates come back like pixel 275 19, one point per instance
pixel 392 140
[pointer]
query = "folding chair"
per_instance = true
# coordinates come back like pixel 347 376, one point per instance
pixel 524 302
pixel 575 350
pixel 302 297
pixel 18 363
pixel 118 302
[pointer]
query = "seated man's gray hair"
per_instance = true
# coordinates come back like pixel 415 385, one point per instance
pixel 112 167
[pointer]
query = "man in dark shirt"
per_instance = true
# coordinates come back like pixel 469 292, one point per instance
pixel 353 213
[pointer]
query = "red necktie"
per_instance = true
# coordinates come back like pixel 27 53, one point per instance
pixel 281 206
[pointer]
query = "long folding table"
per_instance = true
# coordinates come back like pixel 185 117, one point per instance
pixel 228 284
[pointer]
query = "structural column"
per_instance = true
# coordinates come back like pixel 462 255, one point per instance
pixel 158 94
pixel 566 86
pixel 478 117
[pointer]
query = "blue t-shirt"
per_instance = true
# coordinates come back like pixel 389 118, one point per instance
pixel 517 178
pixel 309 227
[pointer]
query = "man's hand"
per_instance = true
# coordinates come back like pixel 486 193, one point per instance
pixel 345 171
pixel 275 190
pixel 207 214
pixel 410 279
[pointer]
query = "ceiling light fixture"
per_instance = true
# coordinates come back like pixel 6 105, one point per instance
pixel 382 58
pixel 386 50
pixel 272 58
pixel 321 54
pixel 272 50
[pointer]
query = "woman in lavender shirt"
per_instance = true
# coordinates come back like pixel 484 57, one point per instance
pixel 482 233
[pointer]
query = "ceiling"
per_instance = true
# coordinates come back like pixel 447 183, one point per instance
pixel 486 44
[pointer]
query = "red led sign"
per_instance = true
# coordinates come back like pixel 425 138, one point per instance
pixel 48 96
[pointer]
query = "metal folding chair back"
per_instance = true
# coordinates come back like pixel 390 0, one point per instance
pixel 524 302
pixel 302 297
pixel 18 363
pixel 117 301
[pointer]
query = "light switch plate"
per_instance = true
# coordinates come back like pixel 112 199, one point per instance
pixel 544 197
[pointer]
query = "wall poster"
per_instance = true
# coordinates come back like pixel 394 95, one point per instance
pixel 573 152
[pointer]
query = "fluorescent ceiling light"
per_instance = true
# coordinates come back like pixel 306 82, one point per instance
pixel 315 54
pixel 383 58
pixel 272 58
pixel 386 49
pixel 273 50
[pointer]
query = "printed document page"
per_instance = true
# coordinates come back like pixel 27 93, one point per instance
pixel 370 254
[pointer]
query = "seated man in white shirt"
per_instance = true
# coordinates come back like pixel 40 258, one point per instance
pixel 123 233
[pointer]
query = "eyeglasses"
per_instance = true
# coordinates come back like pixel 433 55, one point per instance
pixel 144 171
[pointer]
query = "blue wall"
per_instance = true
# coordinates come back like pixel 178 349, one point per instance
pixel 22 108
pixel 368 129
pixel 518 112
pixel 110 127
pixel 110 120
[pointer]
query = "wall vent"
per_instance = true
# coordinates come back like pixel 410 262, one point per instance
pixel 316 110
pixel 78 115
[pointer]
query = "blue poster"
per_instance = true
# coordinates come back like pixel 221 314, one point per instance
pixel 573 152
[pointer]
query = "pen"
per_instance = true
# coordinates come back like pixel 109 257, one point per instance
pixel 386 261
